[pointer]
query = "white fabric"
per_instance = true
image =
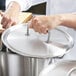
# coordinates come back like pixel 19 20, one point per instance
pixel 25 4
pixel 61 6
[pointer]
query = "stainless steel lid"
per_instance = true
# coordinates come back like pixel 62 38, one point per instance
pixel 63 68
pixel 16 38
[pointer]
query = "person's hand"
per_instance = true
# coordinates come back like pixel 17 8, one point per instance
pixel 42 24
pixel 8 19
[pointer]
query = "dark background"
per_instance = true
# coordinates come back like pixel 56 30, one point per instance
pixel 38 9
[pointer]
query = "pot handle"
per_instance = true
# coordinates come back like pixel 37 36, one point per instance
pixel 71 71
pixel 68 37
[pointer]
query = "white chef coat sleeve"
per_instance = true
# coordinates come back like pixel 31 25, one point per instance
pixel 25 4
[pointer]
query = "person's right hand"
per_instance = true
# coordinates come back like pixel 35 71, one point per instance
pixel 10 16
pixel 8 19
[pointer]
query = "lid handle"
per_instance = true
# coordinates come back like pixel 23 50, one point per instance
pixel 48 39
pixel 65 46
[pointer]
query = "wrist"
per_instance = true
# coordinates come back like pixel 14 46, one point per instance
pixel 13 7
pixel 60 19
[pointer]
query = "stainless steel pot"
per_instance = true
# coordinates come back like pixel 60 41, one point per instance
pixel 11 64
pixel 62 68
pixel 16 65
pixel 0 43
pixel 26 42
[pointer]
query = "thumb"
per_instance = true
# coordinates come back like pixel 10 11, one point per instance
pixel 30 24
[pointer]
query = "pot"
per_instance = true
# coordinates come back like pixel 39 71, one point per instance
pixel 40 49
pixel 12 64
pixel 62 68
pixel 0 43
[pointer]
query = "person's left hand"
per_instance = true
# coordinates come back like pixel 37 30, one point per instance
pixel 42 24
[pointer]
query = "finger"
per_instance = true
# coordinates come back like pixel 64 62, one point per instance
pixel 1 31
pixel 10 23
pixel 34 22
pixel 1 13
pixel 4 21
pixel 43 28
pixel 14 23
pixel 46 31
pixel 7 23
pixel 30 24
pixel 4 25
pixel 37 29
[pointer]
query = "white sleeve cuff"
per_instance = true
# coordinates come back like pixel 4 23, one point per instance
pixel 25 4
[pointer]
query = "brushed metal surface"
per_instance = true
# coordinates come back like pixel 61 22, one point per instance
pixel 34 45
pixel 62 68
